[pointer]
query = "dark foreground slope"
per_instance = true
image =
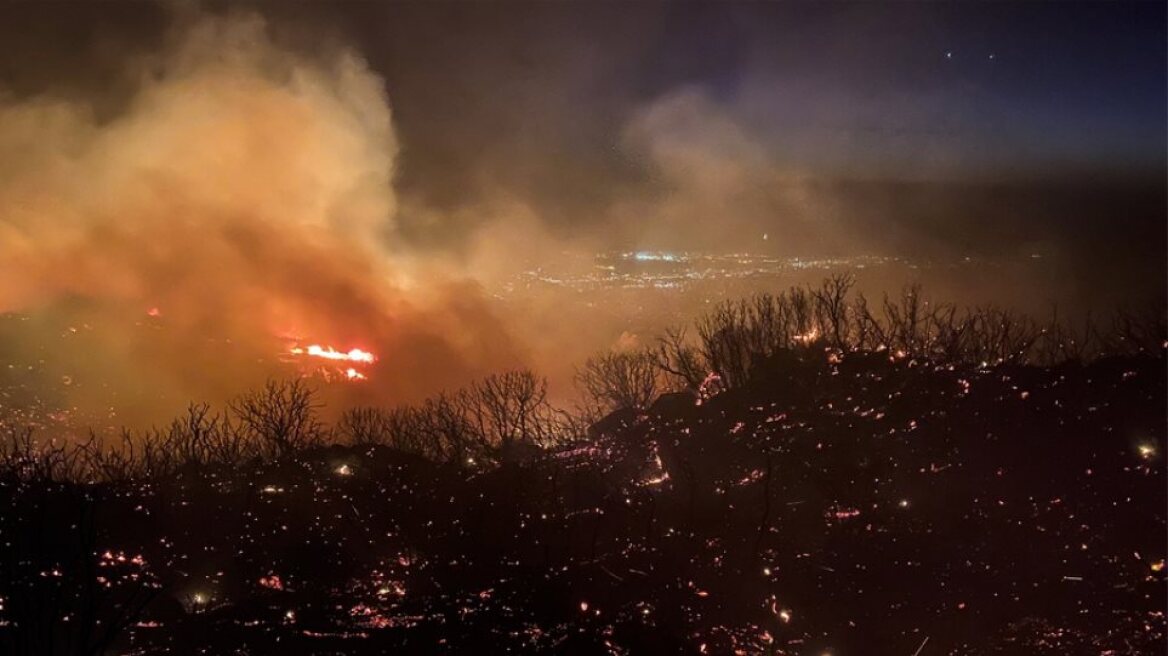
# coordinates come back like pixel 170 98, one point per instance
pixel 863 507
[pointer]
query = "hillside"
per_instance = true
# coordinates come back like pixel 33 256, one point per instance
pixel 864 506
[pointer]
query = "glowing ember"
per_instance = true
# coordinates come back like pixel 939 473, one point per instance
pixel 272 582
pixel 807 337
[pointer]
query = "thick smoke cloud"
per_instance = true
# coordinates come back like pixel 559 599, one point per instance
pixel 244 195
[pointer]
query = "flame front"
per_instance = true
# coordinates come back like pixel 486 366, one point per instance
pixel 356 356
pixel 329 353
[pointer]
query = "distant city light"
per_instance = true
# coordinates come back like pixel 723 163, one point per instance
pixel 651 256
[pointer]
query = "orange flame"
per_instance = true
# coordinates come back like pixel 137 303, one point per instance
pixel 356 356
pixel 329 353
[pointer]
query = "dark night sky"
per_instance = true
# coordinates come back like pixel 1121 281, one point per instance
pixel 561 104
pixel 860 90
pixel 1070 87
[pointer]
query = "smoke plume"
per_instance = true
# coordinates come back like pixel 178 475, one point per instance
pixel 240 202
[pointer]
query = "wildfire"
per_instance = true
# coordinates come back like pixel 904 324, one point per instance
pixel 329 353
pixel 357 357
